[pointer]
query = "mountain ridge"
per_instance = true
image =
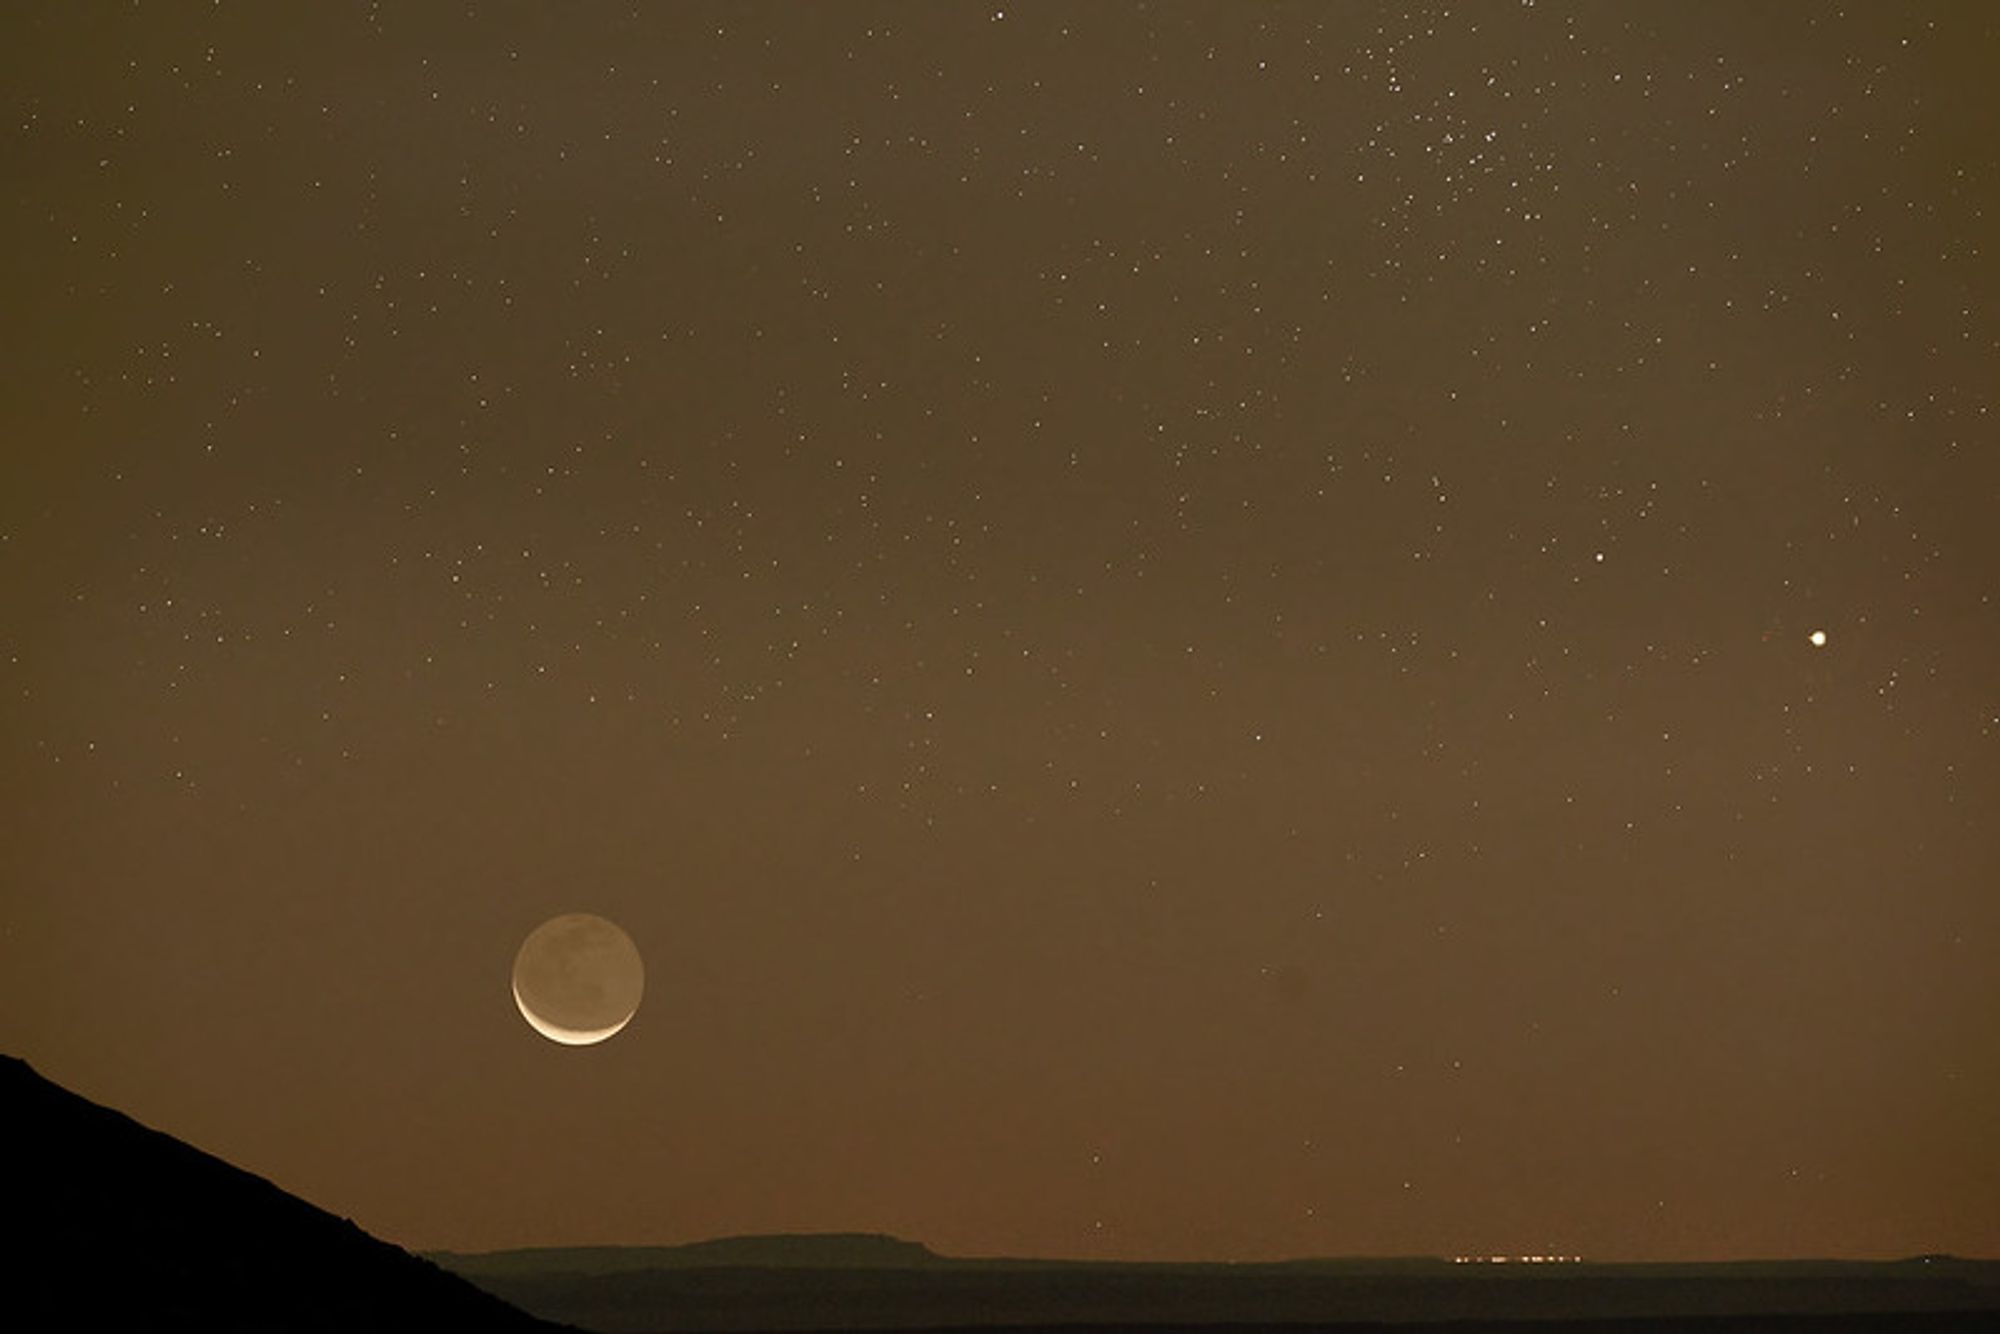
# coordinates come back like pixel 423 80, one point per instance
pixel 760 1250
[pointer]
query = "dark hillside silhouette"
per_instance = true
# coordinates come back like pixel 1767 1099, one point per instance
pixel 121 1228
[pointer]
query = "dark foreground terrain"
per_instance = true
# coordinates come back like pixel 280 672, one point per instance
pixel 116 1227
pixel 119 1228
pixel 861 1283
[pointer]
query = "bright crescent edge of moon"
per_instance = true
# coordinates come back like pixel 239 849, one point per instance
pixel 569 1037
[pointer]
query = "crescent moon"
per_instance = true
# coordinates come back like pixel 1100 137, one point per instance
pixel 578 979
pixel 569 1037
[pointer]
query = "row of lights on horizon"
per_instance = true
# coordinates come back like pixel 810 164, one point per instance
pixel 1516 1259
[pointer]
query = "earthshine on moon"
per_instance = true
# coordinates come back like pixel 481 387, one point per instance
pixel 578 979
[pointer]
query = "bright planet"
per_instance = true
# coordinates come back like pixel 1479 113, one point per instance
pixel 578 979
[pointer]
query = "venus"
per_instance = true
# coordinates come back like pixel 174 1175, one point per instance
pixel 578 979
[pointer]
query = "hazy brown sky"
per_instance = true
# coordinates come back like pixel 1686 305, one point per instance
pixel 1179 630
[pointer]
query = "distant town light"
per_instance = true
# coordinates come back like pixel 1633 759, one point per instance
pixel 1516 1259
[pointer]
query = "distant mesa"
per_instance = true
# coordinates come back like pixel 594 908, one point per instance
pixel 812 1250
pixel 801 1250
pixel 118 1227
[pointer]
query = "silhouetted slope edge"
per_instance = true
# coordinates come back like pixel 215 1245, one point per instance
pixel 119 1228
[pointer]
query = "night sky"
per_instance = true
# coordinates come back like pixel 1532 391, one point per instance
pixel 1180 630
